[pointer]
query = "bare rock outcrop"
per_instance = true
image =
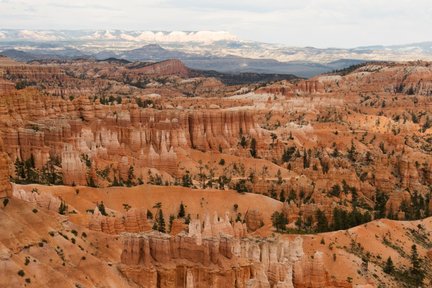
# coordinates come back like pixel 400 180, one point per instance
pixel 217 261
pixel 133 221
pixel 254 220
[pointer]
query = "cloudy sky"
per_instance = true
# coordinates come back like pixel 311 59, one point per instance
pixel 319 23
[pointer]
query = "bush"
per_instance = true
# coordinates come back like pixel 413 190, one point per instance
pixel 63 208
pixel 240 186
pixel 21 273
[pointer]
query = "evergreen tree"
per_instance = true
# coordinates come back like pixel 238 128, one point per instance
pixel 155 226
pixel 115 182
pixel 243 141
pixel 380 204
pixel 298 222
pixel 101 208
pixel 187 219
pixel 187 180
pixel 308 222
pixel 149 214
pixel 91 182
pixel 406 207
pixel 306 159
pixel 322 223
pixel 416 271
pixel 130 176
pixel 253 149
pixel 50 175
pixel 352 152
pixel 279 177
pixel 279 221
pixel 273 192
pixel 389 266
pixel 19 169
pixel 240 186
pixel 182 212
pixel 292 196
pixel 335 191
pixel 63 208
pixel 288 153
pixel 282 196
pixel 161 222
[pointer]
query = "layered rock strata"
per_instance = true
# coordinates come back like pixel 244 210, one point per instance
pixel 124 134
pixel 158 260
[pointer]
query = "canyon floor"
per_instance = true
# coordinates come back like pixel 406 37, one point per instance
pixel 130 174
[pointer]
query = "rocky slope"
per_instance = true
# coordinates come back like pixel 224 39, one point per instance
pixel 51 249
pixel 133 142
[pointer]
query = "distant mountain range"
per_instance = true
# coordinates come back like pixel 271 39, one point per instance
pixel 204 50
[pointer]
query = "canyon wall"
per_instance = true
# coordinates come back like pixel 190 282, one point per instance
pixel 158 260
pixel 121 135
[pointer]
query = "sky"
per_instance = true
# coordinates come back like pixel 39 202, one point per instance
pixel 317 23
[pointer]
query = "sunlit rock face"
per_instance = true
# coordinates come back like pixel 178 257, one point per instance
pixel 222 261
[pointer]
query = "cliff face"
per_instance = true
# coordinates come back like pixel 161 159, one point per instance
pixel 134 220
pixel 164 68
pixel 38 238
pixel 156 260
pixel 123 135
pixel 5 186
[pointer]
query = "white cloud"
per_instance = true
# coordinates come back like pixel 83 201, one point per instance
pixel 343 23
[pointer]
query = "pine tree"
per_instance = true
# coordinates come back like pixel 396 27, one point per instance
pixel 416 271
pixel 187 180
pixel 91 182
pixel 149 214
pixel 305 159
pixel 253 149
pixel 19 169
pixel 298 222
pixel 115 182
pixel 279 177
pixel 389 266
pixel 288 153
pixel 182 212
pixel 187 219
pixel 380 204
pixel 63 208
pixel 101 208
pixel 352 152
pixel 155 226
pixel 282 196
pixel 130 176
pixel 273 192
pixel 243 141
pixel 161 222
pixel 322 223
pixel 279 221
pixel 292 196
